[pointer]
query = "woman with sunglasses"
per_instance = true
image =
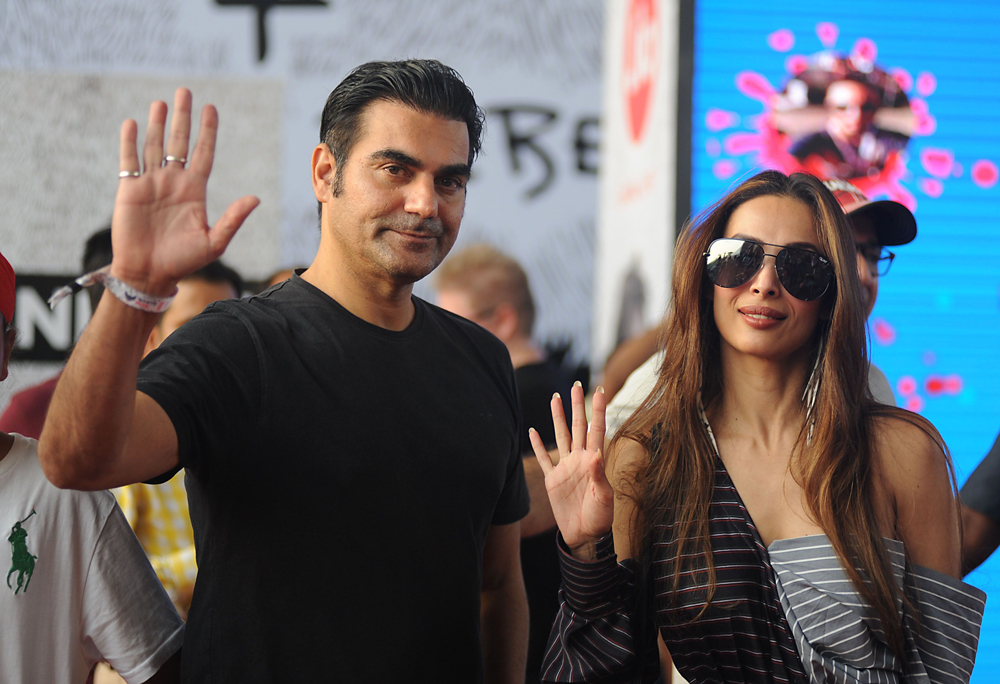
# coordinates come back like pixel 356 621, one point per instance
pixel 746 501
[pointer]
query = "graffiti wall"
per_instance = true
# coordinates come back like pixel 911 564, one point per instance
pixel 72 70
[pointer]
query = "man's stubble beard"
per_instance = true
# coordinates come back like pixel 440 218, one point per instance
pixel 399 263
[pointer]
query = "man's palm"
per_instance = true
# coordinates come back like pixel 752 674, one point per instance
pixel 160 230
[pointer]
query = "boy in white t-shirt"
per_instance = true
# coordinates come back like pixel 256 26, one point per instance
pixel 77 587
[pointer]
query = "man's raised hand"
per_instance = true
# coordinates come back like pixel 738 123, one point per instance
pixel 160 231
pixel 582 498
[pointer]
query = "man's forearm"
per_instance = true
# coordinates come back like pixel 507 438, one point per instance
pixel 90 417
pixel 505 631
pixel 539 518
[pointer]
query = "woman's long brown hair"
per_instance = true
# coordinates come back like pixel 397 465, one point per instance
pixel 836 466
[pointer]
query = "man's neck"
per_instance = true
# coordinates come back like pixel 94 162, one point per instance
pixel 524 352
pixel 385 305
pixel 6 442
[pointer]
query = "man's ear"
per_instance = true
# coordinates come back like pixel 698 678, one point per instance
pixel 9 338
pixel 506 322
pixel 324 169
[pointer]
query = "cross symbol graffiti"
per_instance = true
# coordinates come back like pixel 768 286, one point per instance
pixel 262 7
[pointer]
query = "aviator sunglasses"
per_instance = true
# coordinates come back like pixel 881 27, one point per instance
pixel 805 274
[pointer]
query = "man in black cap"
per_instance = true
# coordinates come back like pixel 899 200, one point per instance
pixel 877 225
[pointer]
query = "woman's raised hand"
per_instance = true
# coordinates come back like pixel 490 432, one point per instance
pixel 160 232
pixel 582 498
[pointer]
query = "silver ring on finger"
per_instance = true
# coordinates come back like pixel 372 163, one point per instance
pixel 129 174
pixel 171 158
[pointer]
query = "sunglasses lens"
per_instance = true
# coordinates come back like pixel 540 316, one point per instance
pixel 731 262
pixel 804 274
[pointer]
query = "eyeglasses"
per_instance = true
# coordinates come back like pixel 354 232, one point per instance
pixel 805 274
pixel 879 259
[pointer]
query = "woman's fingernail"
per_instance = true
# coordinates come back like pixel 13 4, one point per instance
pixel 556 396
pixel 600 389
pixel 577 384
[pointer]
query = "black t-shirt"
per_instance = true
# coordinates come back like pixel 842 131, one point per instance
pixel 342 481
pixel 536 383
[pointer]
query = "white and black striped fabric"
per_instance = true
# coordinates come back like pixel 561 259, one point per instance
pixel 839 638
pixel 610 612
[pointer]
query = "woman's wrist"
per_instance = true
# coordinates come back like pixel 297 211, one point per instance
pixel 587 551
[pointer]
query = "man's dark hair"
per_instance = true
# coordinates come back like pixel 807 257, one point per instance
pixel 426 85
pixel 97 254
pixel 218 272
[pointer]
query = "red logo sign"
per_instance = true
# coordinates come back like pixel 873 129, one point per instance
pixel 641 64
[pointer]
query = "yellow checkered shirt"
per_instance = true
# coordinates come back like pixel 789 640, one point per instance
pixel 159 517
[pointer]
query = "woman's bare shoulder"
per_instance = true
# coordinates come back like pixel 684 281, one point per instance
pixel 908 447
pixel 626 459
pixel 625 456
pixel 916 470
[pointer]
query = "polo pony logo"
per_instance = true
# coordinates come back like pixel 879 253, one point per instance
pixel 22 562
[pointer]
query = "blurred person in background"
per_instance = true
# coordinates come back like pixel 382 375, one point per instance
pixel 78 589
pixel 489 288
pixel 981 511
pixel 25 414
pixel 850 145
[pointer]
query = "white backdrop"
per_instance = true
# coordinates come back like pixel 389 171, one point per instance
pixel 71 70
pixel 638 170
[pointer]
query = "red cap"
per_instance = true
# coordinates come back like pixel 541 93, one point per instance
pixel 894 224
pixel 7 291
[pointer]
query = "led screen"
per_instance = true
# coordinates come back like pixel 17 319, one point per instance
pixel 789 85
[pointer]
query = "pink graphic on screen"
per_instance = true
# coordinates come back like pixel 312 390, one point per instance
pixel 926 83
pixel 984 173
pixel 931 187
pixel 884 333
pixel 937 385
pixel 718 119
pixel 796 64
pixel 781 40
pixel 865 50
pixel 827 33
pixel 789 133
pixel 938 163
pixel 903 78
pixel 924 123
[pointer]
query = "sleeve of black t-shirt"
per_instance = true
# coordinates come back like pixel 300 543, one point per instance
pixel 536 383
pixel 514 500
pixel 981 492
pixel 206 376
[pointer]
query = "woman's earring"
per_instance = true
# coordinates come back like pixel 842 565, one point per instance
pixel 812 387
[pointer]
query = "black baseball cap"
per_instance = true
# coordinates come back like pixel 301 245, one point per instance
pixel 894 224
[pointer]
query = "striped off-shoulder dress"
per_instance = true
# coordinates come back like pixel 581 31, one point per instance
pixel 761 625
pixel 840 638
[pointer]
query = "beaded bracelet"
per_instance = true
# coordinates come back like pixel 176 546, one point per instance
pixel 120 289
